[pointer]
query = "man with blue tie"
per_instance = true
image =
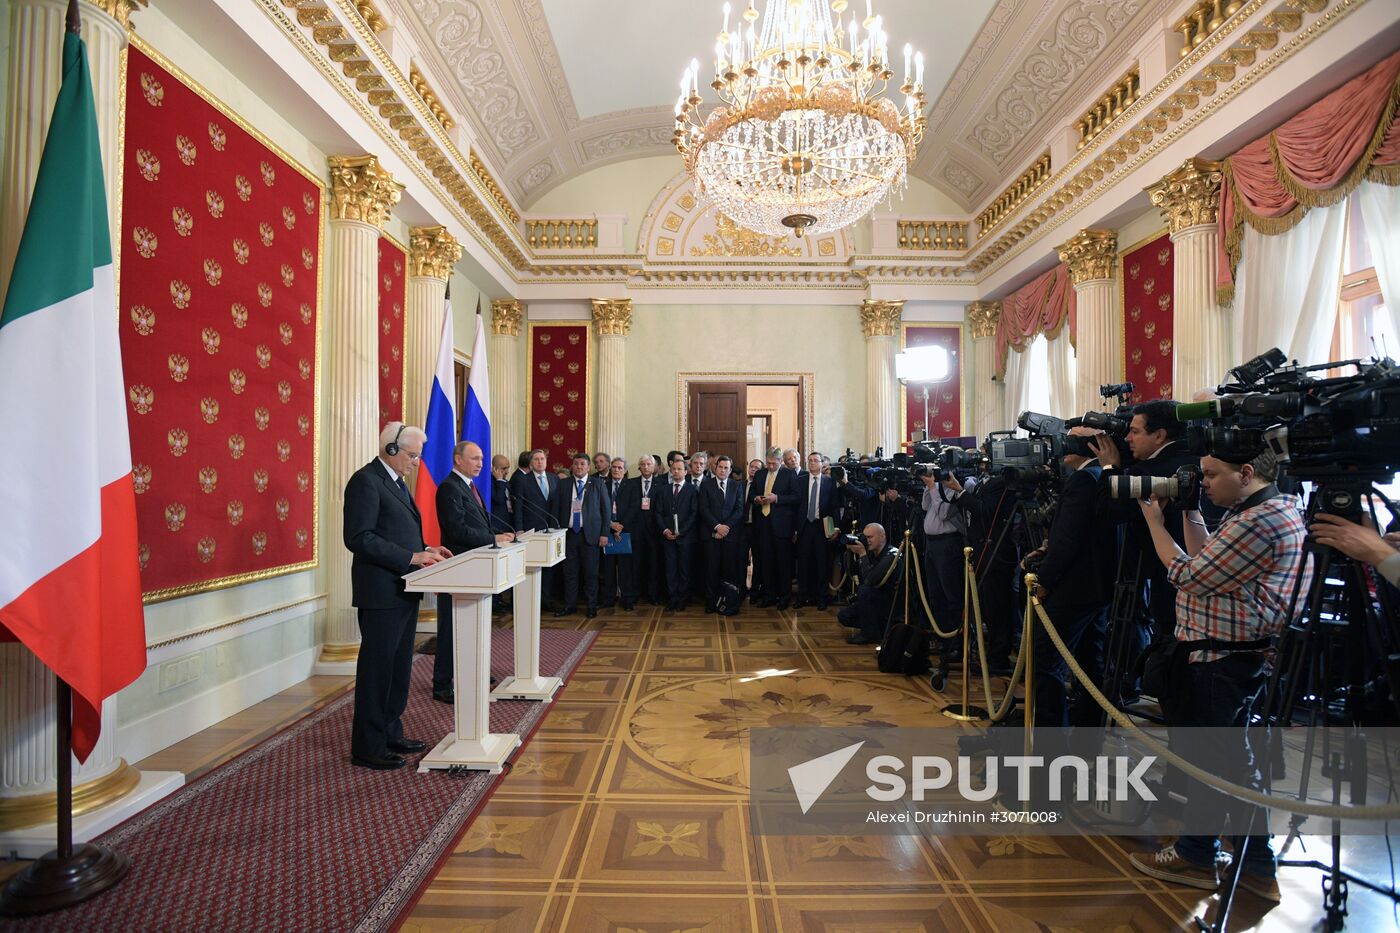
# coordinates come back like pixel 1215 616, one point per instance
pixel 534 490
pixel 721 514
pixel 582 506
pixel 818 504
pixel 384 532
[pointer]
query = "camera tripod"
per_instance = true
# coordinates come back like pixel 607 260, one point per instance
pixel 1304 670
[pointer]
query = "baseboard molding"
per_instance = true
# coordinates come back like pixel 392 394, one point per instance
pixel 159 730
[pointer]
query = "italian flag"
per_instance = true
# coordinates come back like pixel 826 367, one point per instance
pixel 70 586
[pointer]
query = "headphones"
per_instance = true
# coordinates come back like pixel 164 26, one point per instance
pixel 392 448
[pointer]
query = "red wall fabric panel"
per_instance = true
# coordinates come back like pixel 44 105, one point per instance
pixel 220 260
pixel 944 399
pixel 557 406
pixel 1147 319
pixel 393 298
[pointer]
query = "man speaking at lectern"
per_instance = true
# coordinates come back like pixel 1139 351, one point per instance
pixel 464 516
pixel 384 531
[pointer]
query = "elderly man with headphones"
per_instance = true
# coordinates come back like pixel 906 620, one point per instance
pixel 384 532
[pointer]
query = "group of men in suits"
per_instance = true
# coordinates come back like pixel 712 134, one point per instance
pixel 665 535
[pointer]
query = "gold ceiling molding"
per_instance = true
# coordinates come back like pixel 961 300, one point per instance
pixel 348 43
pixel 982 318
pixel 370 15
pixel 730 239
pixel 612 316
pixel 1090 255
pixel 1015 194
pixel 506 315
pixel 578 233
pixel 362 190
pixel 432 251
pixel 420 84
pixel 880 318
pixel 1202 20
pixel 1189 196
pixel 483 175
pixel 120 10
pixel 1230 73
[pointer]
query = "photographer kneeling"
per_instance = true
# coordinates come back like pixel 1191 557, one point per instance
pixel 879 569
pixel 1232 595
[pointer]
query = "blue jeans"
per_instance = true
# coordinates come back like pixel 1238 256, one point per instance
pixel 1221 694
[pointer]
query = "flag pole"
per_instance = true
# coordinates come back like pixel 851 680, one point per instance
pixel 65 875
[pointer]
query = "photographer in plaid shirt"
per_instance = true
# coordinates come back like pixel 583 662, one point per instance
pixel 1233 588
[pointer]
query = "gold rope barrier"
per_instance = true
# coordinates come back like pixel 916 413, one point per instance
pixel 1238 791
pixel 919 579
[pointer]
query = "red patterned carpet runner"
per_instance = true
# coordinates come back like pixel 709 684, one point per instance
pixel 288 836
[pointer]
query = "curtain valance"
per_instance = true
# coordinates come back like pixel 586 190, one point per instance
pixel 1042 306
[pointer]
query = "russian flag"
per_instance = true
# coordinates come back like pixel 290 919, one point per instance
pixel 476 420
pixel 441 428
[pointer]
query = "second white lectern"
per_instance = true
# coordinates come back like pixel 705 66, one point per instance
pixel 542 549
pixel 471 578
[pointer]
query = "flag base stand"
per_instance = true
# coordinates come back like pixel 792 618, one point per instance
pixel 53 883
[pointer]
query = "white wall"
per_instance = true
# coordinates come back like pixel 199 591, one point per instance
pixel 748 339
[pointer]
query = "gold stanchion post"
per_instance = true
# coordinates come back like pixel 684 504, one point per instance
pixel 964 711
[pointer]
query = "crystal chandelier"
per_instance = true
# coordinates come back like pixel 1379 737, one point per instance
pixel 803 137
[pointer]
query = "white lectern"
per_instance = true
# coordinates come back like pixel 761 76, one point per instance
pixel 542 549
pixel 471 578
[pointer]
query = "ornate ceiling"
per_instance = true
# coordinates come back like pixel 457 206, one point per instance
pixel 545 101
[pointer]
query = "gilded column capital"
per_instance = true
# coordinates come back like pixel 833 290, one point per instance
pixel 880 318
pixel 1089 254
pixel 983 317
pixel 612 316
pixel 506 315
pixel 119 10
pixel 362 189
pixel 1189 196
pixel 432 251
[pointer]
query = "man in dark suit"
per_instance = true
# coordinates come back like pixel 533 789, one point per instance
pixel 384 532
pixel 466 525
pixel 1075 584
pixel 774 494
pixel 750 586
pixel 534 490
pixel 818 503
pixel 582 506
pixel 502 506
pixel 697 474
pixel 637 501
pixel 676 514
pixel 615 570
pixel 721 514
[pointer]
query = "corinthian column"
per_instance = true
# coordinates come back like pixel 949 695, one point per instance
pixel 879 321
pixel 612 319
pixel 1098 344
pixel 362 193
pixel 982 319
pixel 432 252
pixel 1202 330
pixel 506 400
pixel 106 789
pixel 35 55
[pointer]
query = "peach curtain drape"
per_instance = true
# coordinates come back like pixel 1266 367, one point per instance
pixel 1042 306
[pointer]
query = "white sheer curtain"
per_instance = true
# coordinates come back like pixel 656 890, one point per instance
pixel 1380 210
pixel 1060 366
pixel 1286 288
pixel 1028 381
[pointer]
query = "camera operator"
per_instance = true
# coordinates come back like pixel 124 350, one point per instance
pixel 989 506
pixel 945 535
pixel 1075 585
pixel 1157 442
pixel 880 568
pixel 1232 594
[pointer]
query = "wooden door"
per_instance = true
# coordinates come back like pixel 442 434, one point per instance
pixel 718 418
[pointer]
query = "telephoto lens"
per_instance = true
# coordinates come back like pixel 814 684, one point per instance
pixel 1141 487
